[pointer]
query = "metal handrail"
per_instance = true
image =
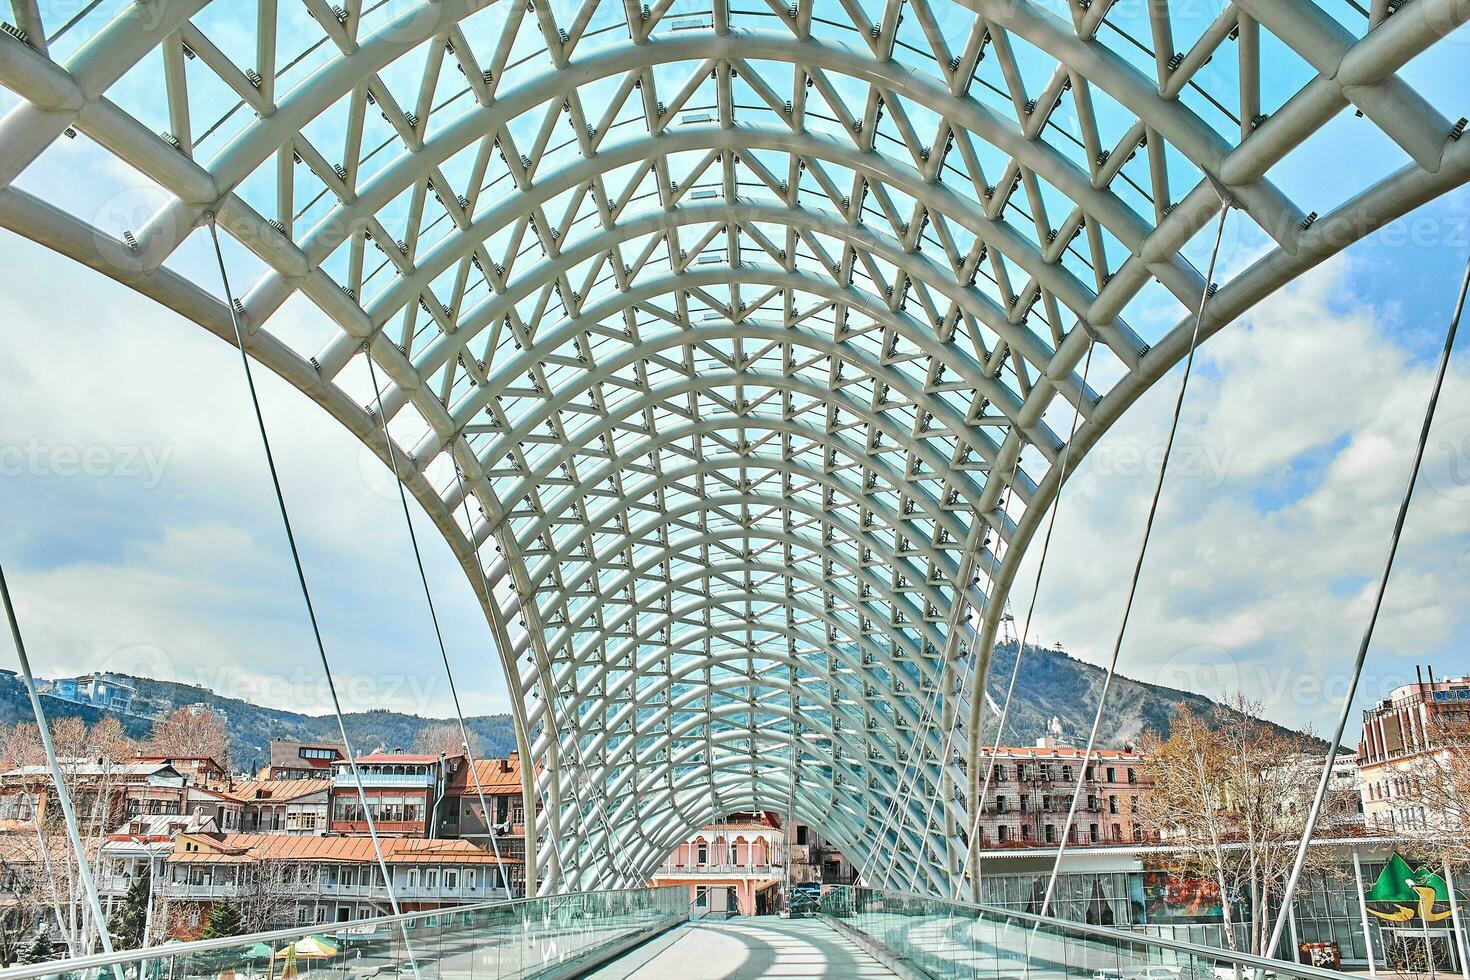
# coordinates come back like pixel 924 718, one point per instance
pixel 101 960
pixel 1245 960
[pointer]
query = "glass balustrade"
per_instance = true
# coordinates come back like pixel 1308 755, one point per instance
pixel 955 939
pixel 521 939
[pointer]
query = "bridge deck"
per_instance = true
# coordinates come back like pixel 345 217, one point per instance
pixel 737 949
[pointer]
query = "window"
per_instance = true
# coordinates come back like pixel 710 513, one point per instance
pixel 431 878
pixel 1003 834
pixel 469 879
pixel 413 877
pixel 1051 833
pixel 801 835
pixel 1112 804
pixel 1092 833
pixel 701 897
pixel 451 878
pixel 1132 775
pixel 1000 804
pixel 1112 775
pixel 701 853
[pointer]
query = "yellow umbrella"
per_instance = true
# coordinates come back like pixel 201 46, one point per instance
pixel 311 948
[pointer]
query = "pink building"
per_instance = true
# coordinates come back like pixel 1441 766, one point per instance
pixel 734 867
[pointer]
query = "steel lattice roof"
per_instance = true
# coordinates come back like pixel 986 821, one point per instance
pixel 756 330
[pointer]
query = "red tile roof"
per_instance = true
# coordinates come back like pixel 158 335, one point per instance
pixel 244 848
pixel 278 790
pixel 496 776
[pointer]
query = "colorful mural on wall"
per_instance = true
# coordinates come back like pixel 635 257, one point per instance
pixel 1402 894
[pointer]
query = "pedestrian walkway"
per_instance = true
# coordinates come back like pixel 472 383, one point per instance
pixel 737 949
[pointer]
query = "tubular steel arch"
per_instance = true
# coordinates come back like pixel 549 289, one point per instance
pixel 739 324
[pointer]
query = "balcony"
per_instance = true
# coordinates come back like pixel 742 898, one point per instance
pixel 721 870
pixel 400 827
pixel 417 780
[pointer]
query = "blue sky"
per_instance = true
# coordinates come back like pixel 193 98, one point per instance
pixel 145 537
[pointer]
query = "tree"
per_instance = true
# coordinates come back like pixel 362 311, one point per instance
pixel 1438 780
pixel 269 892
pixel 222 921
pixel 1234 800
pixel 40 949
pixel 191 732
pixel 443 739
pixel 130 919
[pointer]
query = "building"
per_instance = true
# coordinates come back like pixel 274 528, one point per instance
pixel 815 861
pixel 300 880
pixel 1404 745
pixel 404 793
pixel 1030 793
pixel 129 789
pixel 461 815
pixel 301 760
pixel 202 770
pixel 107 691
pixel 284 806
pixel 143 843
pixel 734 867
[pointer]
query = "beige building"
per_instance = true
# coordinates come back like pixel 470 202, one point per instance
pixel 1030 792
pixel 1401 749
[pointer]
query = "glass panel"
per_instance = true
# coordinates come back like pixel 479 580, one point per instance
pixel 503 940
pixel 957 939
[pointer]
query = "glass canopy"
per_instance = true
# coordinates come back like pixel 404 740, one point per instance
pixel 752 334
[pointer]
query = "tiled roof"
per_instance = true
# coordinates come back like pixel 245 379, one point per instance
pixel 240 848
pixel 496 776
pixel 278 790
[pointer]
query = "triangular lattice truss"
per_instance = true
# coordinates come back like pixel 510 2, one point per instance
pixel 755 332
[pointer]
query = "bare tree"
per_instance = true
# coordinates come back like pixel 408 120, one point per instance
pixel 269 892
pixel 43 873
pixel 1233 799
pixel 1438 780
pixel 443 739
pixel 191 732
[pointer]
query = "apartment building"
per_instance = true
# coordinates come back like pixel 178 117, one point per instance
pixel 115 790
pixel 814 860
pixel 1030 792
pixel 141 846
pixel 202 770
pixel 301 760
pixel 1404 746
pixel 284 806
pixel 462 816
pixel 305 879
pixel 734 867
pixel 403 792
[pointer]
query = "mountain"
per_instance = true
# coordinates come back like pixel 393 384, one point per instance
pixel 251 726
pixel 1051 685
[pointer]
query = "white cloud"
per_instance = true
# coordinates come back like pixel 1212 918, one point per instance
pixel 1269 563
pixel 188 574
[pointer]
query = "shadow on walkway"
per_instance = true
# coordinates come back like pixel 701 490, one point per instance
pixel 736 949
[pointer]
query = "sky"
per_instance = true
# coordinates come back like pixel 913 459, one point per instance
pixel 142 536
